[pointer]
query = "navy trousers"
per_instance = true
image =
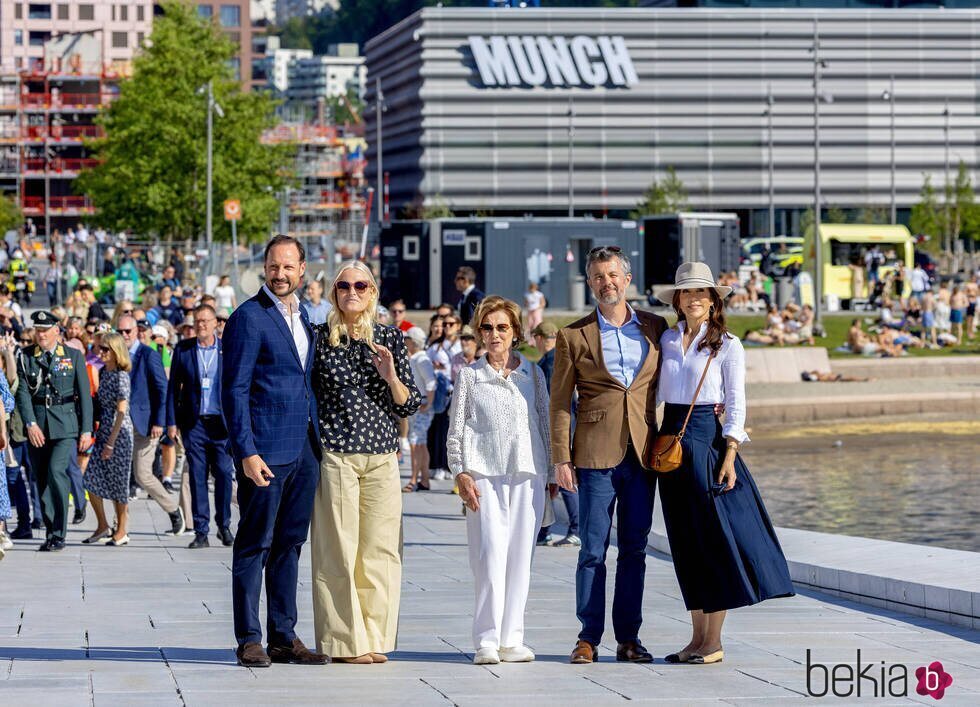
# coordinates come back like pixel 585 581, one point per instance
pixel 274 523
pixel 207 449
pixel 75 480
pixel 628 489
pixel 24 459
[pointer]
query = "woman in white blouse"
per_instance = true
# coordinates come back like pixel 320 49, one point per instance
pixel 498 452
pixel 723 545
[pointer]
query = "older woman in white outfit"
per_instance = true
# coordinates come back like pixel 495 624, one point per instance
pixel 498 453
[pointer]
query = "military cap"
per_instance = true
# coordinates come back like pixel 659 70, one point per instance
pixel 43 319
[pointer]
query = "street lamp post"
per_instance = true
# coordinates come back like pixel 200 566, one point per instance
pixel 379 108
pixel 947 192
pixel 889 96
pixel 817 245
pixel 772 168
pixel 571 158
pixel 212 108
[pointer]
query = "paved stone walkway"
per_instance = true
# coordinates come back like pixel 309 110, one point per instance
pixel 151 624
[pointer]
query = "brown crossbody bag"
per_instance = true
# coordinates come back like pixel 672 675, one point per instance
pixel 667 453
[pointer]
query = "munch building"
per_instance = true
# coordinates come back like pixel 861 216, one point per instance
pixel 524 111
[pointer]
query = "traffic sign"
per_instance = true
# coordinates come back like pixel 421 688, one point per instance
pixel 233 210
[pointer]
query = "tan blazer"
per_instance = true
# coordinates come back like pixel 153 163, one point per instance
pixel 609 414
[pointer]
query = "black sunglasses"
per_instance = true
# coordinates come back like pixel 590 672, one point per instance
pixel 125 331
pixel 104 349
pixel 501 328
pixel 360 285
pixel 608 248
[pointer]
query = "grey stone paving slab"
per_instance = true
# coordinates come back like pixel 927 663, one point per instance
pixel 150 624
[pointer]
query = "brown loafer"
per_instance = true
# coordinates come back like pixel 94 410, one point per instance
pixel 296 653
pixel 251 655
pixel 633 652
pixel 378 657
pixel 584 652
pixel 365 659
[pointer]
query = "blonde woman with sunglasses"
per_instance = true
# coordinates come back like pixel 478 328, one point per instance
pixel 363 383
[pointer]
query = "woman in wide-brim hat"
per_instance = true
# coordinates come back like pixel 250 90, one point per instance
pixel 724 548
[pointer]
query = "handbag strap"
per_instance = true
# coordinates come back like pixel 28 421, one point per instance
pixel 697 392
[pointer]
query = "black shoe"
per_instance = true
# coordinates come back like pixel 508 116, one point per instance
pixel 79 516
pixel 22 534
pixel 199 541
pixel 227 538
pixel 169 486
pixel 177 522
pixel 52 545
pixel 36 524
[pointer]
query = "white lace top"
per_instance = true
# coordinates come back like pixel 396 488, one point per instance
pixel 499 426
pixel 725 382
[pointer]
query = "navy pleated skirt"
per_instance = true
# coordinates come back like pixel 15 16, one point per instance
pixel 724 548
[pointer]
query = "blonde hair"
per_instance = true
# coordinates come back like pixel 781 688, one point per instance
pixel 364 324
pixel 495 303
pixel 117 345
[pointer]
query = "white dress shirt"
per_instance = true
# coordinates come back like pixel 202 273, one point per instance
pixel 725 382
pixel 499 426
pixel 294 322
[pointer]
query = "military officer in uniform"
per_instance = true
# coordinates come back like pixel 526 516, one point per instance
pixel 56 404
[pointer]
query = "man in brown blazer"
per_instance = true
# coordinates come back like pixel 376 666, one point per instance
pixel 611 358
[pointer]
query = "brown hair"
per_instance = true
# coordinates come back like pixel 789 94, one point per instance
pixel 717 328
pixel 496 303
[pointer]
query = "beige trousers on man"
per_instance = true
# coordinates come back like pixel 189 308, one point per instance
pixel 144 449
pixel 356 535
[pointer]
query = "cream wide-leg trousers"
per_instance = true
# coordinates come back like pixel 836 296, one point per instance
pixel 356 535
pixel 501 536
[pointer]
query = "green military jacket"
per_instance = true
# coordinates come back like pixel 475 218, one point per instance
pixel 55 394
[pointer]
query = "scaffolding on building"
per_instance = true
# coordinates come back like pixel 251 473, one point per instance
pixel 326 203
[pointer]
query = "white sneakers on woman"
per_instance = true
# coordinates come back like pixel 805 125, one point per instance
pixel 520 654
pixel 486 656
pixel 490 656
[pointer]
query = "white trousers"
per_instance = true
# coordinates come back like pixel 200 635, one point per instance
pixel 502 535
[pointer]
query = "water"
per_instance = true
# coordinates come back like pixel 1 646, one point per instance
pixel 910 482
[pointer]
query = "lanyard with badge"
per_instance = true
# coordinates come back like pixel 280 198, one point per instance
pixel 206 366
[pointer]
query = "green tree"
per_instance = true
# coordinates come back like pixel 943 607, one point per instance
pixel 835 214
pixel 874 213
pixel 927 217
pixel 10 215
pixel 437 208
pixel 346 109
pixel 666 196
pixel 153 157
pixel 964 212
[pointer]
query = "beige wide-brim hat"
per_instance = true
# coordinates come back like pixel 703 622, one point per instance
pixel 691 276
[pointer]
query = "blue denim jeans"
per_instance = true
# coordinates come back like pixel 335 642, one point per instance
pixel 628 489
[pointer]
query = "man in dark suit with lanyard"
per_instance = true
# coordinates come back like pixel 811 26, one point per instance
pixel 194 405
pixel 470 296
pixel 268 402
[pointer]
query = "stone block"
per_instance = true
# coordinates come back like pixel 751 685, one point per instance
pixel 937 598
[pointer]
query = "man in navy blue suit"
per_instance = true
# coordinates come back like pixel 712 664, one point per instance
pixel 194 405
pixel 270 410
pixel 470 296
pixel 148 410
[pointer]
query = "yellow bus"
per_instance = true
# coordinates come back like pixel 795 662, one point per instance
pixel 846 243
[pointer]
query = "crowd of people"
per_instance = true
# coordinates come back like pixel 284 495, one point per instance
pixel 306 404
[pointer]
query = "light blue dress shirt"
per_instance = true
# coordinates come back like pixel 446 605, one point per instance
pixel 207 366
pixel 317 312
pixel 624 349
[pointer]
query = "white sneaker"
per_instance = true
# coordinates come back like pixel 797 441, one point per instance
pixel 5 542
pixel 520 654
pixel 486 656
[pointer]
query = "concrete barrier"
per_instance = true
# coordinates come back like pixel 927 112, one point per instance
pixel 784 364
pixel 790 410
pixel 951 366
pixel 931 582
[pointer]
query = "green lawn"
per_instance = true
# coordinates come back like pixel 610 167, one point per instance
pixel 836 325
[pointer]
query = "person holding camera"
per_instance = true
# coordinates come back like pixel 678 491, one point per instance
pixel 723 545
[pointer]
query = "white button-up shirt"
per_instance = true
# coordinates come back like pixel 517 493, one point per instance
pixel 499 426
pixel 294 322
pixel 725 382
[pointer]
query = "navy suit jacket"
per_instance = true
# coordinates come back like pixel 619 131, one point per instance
pixel 467 305
pixel 148 395
pixel 266 395
pixel 184 390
